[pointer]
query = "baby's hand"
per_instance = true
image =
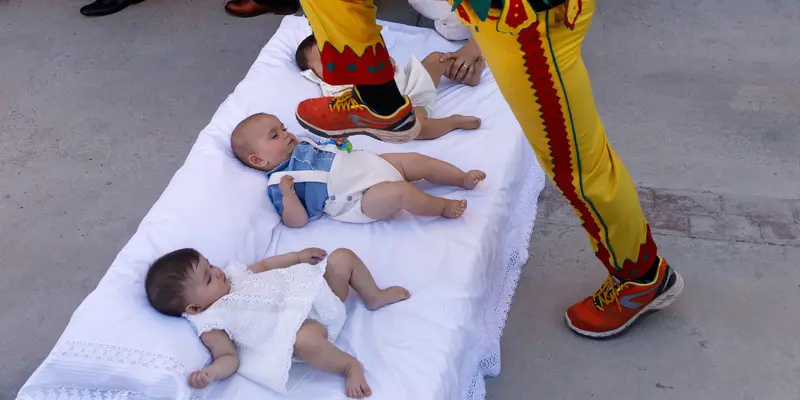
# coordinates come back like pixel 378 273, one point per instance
pixel 311 255
pixel 287 184
pixel 200 379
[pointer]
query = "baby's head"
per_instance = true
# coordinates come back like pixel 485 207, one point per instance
pixel 262 142
pixel 308 56
pixel 184 281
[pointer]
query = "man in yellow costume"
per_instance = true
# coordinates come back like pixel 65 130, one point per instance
pixel 533 47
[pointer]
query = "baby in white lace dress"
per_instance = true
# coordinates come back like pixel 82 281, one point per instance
pixel 257 319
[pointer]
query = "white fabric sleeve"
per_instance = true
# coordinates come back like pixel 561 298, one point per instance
pixel 207 321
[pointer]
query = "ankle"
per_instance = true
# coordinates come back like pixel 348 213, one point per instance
pixel 445 203
pixel 651 273
pixel 383 99
pixel 353 365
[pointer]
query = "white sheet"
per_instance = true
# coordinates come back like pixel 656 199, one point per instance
pixel 461 273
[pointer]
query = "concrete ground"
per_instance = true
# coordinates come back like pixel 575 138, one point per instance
pixel 700 99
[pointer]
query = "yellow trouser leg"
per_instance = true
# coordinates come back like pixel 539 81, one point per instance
pixel 538 67
pixel 353 52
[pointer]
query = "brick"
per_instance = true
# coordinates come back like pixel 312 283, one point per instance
pixel 780 232
pixel 560 212
pixel 795 205
pixel 731 227
pixel 759 208
pixel 668 223
pixel 646 198
pixel 686 201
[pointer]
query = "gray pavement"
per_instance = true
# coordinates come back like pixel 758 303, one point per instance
pixel 700 99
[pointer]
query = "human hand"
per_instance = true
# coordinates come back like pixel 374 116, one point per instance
pixel 340 141
pixel 465 60
pixel 286 185
pixel 200 379
pixel 311 255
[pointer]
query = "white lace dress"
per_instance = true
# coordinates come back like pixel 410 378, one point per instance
pixel 263 312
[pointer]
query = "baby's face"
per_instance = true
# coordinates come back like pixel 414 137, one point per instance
pixel 315 60
pixel 205 285
pixel 271 143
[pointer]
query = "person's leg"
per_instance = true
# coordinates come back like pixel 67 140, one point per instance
pixel 385 199
pixel 312 346
pixel 436 68
pixel 345 269
pixel 106 7
pixel 547 86
pixel 353 53
pixel 416 167
pixel 253 8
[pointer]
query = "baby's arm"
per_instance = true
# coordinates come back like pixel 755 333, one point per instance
pixel 310 256
pixel 226 359
pixel 294 214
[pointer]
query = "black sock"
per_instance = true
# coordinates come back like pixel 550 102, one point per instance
pixel 650 275
pixel 383 99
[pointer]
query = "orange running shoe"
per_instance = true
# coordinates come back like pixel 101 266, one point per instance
pixel 617 305
pixel 347 115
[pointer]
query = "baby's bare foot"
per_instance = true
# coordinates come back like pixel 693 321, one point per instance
pixel 454 209
pixel 466 122
pixel 472 178
pixel 355 383
pixel 388 296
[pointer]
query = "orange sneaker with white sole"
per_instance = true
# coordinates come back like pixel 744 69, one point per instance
pixel 618 304
pixel 347 115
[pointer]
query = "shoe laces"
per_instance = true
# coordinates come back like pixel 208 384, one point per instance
pixel 608 294
pixel 345 102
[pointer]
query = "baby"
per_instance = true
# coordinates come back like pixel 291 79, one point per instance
pixel 418 81
pixel 254 319
pixel 308 179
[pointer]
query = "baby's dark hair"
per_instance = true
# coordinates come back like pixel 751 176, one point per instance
pixel 165 281
pixel 301 55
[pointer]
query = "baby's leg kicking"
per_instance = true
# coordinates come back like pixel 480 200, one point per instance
pixel 416 167
pixel 312 346
pixel 345 269
pixel 385 199
pixel 434 128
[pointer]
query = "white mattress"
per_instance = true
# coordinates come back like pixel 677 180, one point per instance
pixel 461 273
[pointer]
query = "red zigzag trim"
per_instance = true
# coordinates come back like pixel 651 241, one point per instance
pixel 555 128
pixel 348 68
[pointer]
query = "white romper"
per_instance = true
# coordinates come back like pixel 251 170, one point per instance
pixel 263 312
pixel 351 175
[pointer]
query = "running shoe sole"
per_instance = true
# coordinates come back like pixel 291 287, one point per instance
pixel 668 295
pixel 404 131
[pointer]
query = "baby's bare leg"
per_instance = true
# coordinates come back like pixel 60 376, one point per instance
pixel 415 167
pixel 345 269
pixel 385 199
pixel 312 346
pixel 436 68
pixel 434 128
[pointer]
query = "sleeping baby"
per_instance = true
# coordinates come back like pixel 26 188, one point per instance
pixel 418 80
pixel 257 320
pixel 308 179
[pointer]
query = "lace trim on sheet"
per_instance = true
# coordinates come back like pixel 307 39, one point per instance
pixel 487 357
pixel 107 353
